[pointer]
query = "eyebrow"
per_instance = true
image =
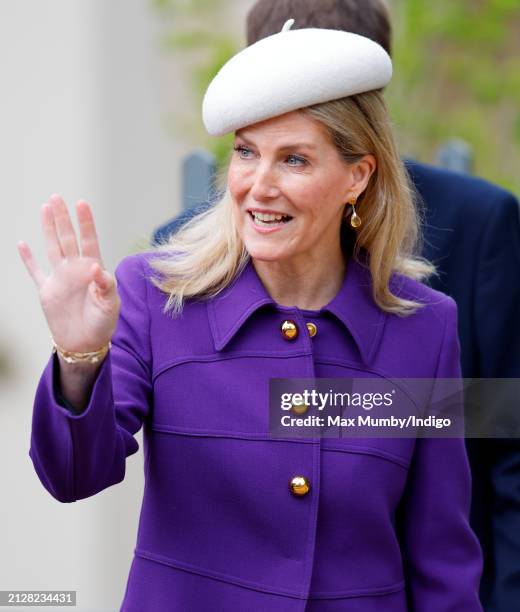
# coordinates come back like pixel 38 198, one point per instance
pixel 286 147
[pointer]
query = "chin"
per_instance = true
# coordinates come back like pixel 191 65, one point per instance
pixel 265 252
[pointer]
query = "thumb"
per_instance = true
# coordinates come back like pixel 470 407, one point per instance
pixel 104 281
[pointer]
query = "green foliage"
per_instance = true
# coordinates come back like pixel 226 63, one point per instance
pixel 194 32
pixel 457 75
pixel 187 7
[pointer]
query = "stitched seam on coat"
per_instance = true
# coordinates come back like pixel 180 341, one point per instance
pixel 441 351
pixel 214 575
pixel 312 523
pixel 215 433
pixel 380 374
pixel 309 550
pixel 219 357
pixel 378 334
pixel 354 366
pixel 151 393
pixel 373 452
pixel 365 592
pixel 381 591
pixel 260 437
pixel 147 303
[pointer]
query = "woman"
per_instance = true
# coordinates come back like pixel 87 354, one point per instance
pixel 304 268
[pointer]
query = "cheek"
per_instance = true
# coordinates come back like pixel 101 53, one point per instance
pixel 237 192
pixel 318 201
pixel 237 219
pixel 237 181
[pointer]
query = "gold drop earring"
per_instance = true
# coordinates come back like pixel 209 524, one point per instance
pixel 355 219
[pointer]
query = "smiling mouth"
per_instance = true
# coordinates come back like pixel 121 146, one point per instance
pixel 268 220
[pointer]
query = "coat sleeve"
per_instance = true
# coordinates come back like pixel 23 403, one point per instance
pixel 497 291
pixel 78 455
pixel 441 554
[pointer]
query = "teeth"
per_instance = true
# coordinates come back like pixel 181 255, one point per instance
pixel 267 216
pixel 262 218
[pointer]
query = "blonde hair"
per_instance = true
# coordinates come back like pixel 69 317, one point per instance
pixel 207 253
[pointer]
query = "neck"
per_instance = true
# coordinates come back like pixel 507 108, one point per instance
pixel 303 282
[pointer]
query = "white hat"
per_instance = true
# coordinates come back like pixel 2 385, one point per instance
pixel 290 70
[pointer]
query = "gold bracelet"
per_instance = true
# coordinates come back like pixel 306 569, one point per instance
pixel 75 357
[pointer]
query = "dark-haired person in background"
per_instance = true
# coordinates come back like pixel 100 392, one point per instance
pixel 472 234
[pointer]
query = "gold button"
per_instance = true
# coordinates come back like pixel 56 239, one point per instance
pixel 299 486
pixel 313 330
pixel 300 408
pixel 289 329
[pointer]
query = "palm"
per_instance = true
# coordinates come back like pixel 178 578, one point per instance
pixel 79 300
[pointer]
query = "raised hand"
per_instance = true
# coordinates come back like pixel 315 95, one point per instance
pixel 79 297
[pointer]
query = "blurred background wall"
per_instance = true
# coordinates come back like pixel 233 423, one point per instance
pixel 88 91
pixel 101 101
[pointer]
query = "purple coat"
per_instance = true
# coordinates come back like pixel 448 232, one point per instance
pixel 220 529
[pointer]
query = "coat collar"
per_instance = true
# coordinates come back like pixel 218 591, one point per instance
pixel 353 305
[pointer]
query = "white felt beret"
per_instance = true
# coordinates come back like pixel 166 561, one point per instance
pixel 290 70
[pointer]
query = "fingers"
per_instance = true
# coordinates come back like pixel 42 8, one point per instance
pixel 64 227
pixel 54 252
pixel 36 274
pixel 87 231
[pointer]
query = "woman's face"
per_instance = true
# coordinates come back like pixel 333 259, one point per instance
pixel 289 187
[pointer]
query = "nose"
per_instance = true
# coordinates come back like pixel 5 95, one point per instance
pixel 265 183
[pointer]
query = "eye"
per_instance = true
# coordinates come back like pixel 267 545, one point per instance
pixel 300 161
pixel 242 151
